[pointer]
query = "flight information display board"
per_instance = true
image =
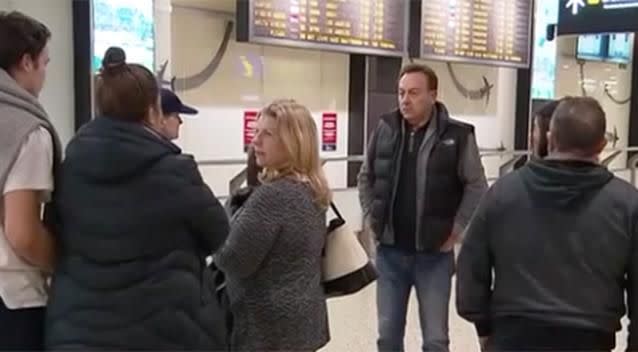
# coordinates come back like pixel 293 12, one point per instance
pixel 597 16
pixel 375 27
pixel 493 32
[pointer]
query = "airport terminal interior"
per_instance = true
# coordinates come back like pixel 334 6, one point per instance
pixel 497 60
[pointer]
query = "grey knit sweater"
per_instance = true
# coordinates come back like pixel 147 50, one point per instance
pixel 272 260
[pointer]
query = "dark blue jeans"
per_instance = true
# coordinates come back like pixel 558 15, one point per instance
pixel 431 276
pixel 22 329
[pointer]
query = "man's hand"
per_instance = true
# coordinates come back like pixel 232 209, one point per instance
pixel 483 341
pixel 448 246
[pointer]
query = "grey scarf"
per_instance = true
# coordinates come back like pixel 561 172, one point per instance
pixel 20 114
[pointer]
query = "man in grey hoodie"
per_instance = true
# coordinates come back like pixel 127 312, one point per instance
pixel 551 251
pixel 29 154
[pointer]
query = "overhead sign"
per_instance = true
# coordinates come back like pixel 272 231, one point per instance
pixel 376 27
pixel 495 32
pixel 575 5
pixel 597 16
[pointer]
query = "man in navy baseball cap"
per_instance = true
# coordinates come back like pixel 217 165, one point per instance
pixel 172 107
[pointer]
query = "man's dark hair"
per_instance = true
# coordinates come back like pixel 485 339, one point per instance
pixel 543 116
pixel 252 169
pixel 546 111
pixel 427 71
pixel 578 125
pixel 20 35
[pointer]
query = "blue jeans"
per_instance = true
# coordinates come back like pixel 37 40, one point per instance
pixel 431 275
pixel 22 329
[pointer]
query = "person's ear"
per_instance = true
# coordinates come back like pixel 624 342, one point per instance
pixel 551 144
pixel 434 94
pixel 154 117
pixel 601 145
pixel 27 63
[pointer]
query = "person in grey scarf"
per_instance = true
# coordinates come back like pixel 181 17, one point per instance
pixel 29 155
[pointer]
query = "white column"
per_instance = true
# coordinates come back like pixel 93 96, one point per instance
pixel 6 5
pixel 618 115
pixel 163 46
pixel 506 105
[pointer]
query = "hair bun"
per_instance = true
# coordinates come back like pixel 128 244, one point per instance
pixel 113 58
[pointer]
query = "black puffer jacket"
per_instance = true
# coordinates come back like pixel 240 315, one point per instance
pixel 136 223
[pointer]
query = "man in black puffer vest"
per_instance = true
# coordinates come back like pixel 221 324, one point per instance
pixel 418 187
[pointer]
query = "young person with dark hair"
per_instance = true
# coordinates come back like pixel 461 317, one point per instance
pixel 551 251
pixel 540 127
pixel 29 154
pixel 137 223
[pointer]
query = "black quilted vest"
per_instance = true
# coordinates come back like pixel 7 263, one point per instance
pixel 443 187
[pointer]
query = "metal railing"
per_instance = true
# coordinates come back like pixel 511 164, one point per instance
pixel 513 157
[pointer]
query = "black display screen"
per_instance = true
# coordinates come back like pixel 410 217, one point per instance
pixel 597 16
pixel 375 27
pixel 493 32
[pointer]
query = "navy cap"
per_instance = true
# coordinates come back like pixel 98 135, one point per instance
pixel 172 104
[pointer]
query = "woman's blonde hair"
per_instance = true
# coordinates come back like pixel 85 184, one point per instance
pixel 298 133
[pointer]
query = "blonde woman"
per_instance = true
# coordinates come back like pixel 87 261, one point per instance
pixel 272 257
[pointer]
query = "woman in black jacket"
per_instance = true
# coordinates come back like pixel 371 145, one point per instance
pixel 136 224
pixel 540 127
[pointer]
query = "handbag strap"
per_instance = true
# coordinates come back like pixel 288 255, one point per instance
pixel 336 211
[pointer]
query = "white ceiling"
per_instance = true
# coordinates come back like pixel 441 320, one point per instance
pixel 217 5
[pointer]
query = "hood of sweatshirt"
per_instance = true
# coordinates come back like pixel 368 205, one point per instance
pixel 564 183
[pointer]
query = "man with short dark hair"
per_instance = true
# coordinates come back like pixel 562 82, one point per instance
pixel 551 250
pixel 29 153
pixel 418 186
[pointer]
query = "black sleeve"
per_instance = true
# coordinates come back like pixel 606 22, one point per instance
pixel 205 215
pixel 237 199
pixel 366 176
pixel 211 224
pixel 632 293
pixel 474 271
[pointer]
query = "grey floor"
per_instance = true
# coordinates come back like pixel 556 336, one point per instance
pixel 353 326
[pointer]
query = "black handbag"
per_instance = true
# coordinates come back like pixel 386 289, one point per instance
pixel 346 267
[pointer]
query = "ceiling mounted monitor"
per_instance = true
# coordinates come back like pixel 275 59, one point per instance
pixel 374 27
pixel 597 16
pixel 495 32
pixel 592 47
pixel 620 47
pixel 127 24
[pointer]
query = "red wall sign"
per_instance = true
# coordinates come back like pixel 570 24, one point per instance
pixel 250 125
pixel 329 131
